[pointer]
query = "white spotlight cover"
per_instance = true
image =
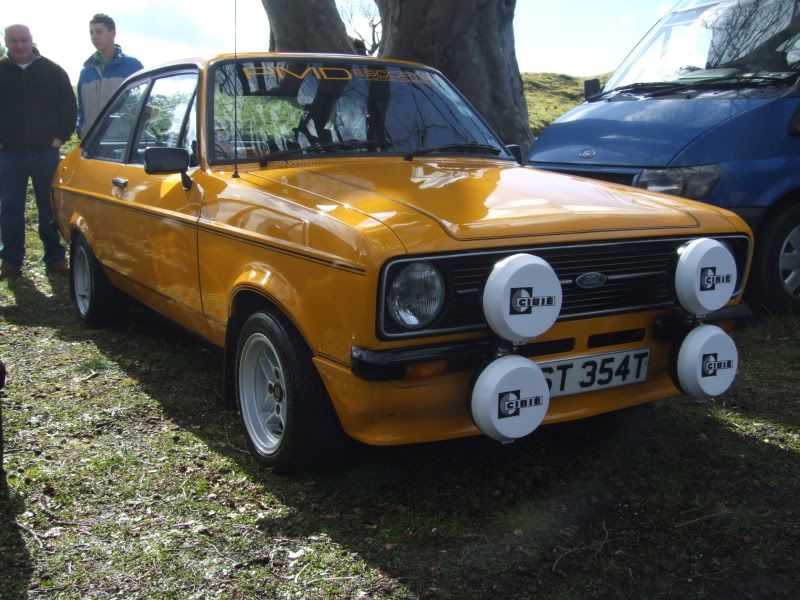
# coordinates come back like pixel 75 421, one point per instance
pixel 705 277
pixel 707 362
pixel 510 398
pixel 522 297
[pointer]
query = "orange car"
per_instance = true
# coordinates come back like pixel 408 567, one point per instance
pixel 375 262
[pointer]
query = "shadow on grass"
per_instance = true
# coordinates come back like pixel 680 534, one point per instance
pixel 666 500
pixel 15 560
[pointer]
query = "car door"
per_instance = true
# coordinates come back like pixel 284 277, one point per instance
pixel 157 244
pixel 94 184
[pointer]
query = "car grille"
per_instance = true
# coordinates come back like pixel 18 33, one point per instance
pixel 640 277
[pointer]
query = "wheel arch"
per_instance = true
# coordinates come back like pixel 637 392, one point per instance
pixel 785 202
pixel 78 226
pixel 244 302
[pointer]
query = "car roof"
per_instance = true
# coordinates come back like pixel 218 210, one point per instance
pixel 203 62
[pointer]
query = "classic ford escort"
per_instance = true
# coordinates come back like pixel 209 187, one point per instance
pixel 375 262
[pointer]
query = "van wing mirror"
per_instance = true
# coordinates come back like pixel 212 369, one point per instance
pixel 591 87
pixel 168 160
pixel 516 152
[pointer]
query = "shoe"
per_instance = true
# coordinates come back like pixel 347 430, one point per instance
pixel 8 271
pixel 60 267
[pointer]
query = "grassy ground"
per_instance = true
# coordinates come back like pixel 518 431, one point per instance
pixel 126 478
pixel 550 95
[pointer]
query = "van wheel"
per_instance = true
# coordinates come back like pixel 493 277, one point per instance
pixel 91 290
pixel 778 262
pixel 285 412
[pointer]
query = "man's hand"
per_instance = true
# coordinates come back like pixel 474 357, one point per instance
pixel 56 143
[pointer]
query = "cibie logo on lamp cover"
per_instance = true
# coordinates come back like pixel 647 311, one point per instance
pixel 712 364
pixel 709 279
pixel 510 403
pixel 523 301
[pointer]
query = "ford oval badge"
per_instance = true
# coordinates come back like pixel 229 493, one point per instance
pixel 587 153
pixel 589 281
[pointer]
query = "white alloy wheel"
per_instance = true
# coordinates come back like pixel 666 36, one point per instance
pixel 82 280
pixel 262 393
pixel 789 263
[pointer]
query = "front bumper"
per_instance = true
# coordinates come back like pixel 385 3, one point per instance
pixel 385 365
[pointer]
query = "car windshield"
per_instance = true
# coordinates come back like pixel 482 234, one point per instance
pixel 700 40
pixel 266 109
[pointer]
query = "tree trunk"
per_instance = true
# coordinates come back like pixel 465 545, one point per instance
pixel 472 43
pixel 307 26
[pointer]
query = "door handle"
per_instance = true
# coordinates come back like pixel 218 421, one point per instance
pixel 119 182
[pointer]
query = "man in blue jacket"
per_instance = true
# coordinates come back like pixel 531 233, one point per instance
pixel 103 71
pixel 37 115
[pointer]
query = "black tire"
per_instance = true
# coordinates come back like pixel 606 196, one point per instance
pixel 91 291
pixel 777 264
pixel 285 412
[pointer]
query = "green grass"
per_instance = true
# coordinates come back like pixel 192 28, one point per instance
pixel 550 95
pixel 127 478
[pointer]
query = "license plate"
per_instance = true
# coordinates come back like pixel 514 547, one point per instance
pixel 597 371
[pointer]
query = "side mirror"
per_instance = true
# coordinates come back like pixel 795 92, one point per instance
pixel 516 151
pixel 168 160
pixel 591 87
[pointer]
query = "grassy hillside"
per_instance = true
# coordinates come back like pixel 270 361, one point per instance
pixel 550 95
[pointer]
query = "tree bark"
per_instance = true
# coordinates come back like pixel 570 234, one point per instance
pixel 472 43
pixel 307 26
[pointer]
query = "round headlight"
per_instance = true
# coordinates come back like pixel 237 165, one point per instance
pixel 416 295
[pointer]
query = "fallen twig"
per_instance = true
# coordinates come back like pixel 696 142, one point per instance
pixel 55 518
pixel 719 514
pixel 300 572
pixel 235 448
pixel 600 546
pixel 258 560
pixel 31 532
pixel 330 579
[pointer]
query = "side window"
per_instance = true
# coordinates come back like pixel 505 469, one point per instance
pixel 164 114
pixel 111 138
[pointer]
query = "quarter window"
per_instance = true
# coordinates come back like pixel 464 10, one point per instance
pixel 164 114
pixel 111 139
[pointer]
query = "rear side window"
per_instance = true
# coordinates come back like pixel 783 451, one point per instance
pixel 164 117
pixel 111 138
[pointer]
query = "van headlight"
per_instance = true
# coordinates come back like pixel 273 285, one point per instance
pixel 689 182
pixel 416 295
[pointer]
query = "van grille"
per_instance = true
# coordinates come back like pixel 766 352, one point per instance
pixel 623 178
pixel 640 277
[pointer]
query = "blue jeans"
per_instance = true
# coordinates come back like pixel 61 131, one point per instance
pixel 15 169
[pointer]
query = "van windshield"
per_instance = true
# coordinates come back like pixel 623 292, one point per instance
pixel 701 40
pixel 271 109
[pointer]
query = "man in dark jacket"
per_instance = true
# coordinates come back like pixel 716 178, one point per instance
pixel 37 115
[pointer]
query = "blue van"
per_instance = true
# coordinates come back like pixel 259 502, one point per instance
pixel 706 106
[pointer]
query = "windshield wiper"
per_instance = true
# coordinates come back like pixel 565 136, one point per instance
pixel 343 145
pixel 733 81
pixel 462 147
pixel 635 87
